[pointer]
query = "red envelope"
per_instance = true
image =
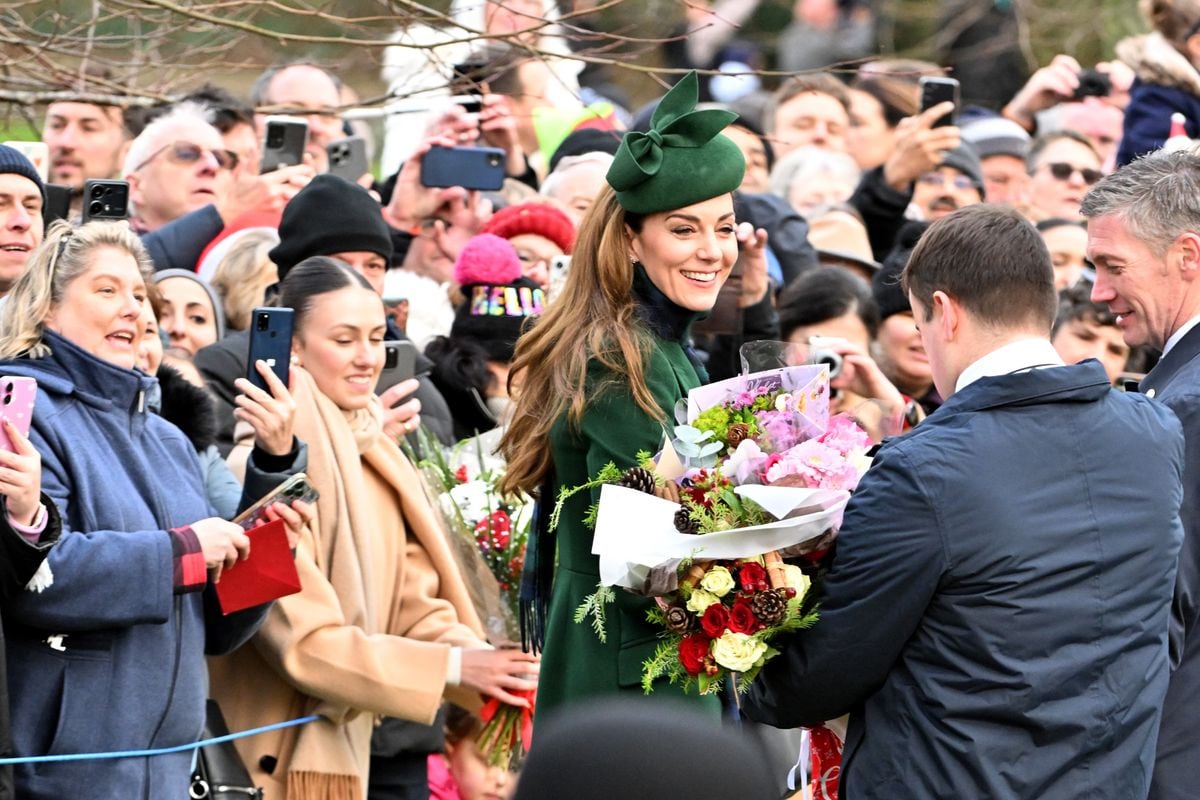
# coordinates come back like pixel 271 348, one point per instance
pixel 269 573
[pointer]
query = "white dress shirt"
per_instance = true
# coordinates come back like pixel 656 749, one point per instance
pixel 1013 357
pixel 1182 332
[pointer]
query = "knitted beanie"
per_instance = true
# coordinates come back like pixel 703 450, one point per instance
pixel 963 159
pixel 542 219
pixel 14 161
pixel 996 136
pixel 498 298
pixel 489 259
pixel 330 215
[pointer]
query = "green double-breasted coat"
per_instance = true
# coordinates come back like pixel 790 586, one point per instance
pixel 576 665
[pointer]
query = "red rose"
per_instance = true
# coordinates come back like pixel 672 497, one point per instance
pixel 693 650
pixel 498 526
pixel 741 617
pixel 714 620
pixel 461 474
pixel 752 576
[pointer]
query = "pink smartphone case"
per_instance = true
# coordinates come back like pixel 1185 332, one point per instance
pixel 16 406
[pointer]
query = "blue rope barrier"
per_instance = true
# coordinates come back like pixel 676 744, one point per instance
pixel 161 751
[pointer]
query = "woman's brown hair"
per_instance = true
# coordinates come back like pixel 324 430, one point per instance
pixel 592 317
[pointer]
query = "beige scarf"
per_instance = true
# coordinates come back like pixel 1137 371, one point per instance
pixel 373 600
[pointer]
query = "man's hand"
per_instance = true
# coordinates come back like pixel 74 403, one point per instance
pixel 919 147
pixel 1052 84
pixel 267 192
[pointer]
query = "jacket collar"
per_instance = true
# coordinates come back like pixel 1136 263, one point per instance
pixel 1085 382
pixel 72 371
pixel 1176 358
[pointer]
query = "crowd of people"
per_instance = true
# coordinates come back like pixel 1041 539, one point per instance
pixel 1011 606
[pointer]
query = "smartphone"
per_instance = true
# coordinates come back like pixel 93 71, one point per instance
pixel 58 203
pixel 105 200
pixel 270 341
pixel 283 143
pixel 939 90
pixel 296 487
pixel 479 168
pixel 400 364
pixel 16 406
pixel 38 153
pixel 348 158
pixel 471 103
pixel 559 267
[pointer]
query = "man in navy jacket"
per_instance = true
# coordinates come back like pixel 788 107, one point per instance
pixel 1144 238
pixel 995 616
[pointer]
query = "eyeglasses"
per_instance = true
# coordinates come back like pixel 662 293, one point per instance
pixel 1063 171
pixel 188 153
pixel 960 182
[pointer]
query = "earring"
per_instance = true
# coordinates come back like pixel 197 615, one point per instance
pixel 295 360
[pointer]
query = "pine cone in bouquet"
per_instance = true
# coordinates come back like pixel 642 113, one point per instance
pixel 737 433
pixel 637 478
pixel 684 522
pixel 678 619
pixel 770 606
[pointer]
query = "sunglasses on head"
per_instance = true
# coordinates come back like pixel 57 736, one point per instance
pixel 1062 172
pixel 188 153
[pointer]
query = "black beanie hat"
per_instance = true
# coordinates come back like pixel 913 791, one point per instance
pixel 889 295
pixel 13 161
pixel 492 315
pixel 330 215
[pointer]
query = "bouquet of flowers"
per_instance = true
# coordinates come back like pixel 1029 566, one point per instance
pixel 756 473
pixel 489 535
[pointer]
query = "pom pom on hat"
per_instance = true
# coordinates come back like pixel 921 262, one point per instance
pixel 487 258
pixel 542 219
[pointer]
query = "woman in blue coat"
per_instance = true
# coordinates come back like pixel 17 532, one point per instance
pixel 108 654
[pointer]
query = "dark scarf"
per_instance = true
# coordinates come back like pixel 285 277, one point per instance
pixel 667 321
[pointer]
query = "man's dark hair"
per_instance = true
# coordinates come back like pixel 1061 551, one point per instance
pixel 226 111
pixel 991 260
pixel 1039 145
pixel 495 64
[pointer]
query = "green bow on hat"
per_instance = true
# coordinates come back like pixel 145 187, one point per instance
pixel 683 159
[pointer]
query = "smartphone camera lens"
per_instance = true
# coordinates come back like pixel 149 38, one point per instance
pixel 262 322
pixel 274 137
pixel 95 207
pixel 493 160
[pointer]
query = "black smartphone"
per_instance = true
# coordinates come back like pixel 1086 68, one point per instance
pixel 270 341
pixel 473 104
pixel 58 203
pixel 283 143
pixel 400 364
pixel 939 90
pixel 296 487
pixel 348 158
pixel 105 200
pixel 479 168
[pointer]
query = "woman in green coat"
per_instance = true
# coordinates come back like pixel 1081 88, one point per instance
pixel 599 376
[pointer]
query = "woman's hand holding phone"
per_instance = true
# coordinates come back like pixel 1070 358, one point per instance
pixel 270 414
pixel 21 477
pixel 295 516
pixel 401 420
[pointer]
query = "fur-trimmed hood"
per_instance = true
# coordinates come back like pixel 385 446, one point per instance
pixel 187 407
pixel 1154 60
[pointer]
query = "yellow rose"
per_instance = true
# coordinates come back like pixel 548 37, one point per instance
pixel 700 600
pixel 796 579
pixel 738 651
pixel 717 580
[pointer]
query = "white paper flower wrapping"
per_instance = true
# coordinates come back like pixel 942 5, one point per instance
pixel 636 537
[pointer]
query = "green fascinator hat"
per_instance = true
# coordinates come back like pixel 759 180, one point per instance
pixel 683 158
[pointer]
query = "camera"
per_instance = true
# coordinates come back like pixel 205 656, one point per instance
pixel 275 136
pixel 263 321
pixel 1092 84
pixel 820 351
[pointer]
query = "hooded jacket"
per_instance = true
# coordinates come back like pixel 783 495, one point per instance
pixel 1166 83
pixel 109 656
